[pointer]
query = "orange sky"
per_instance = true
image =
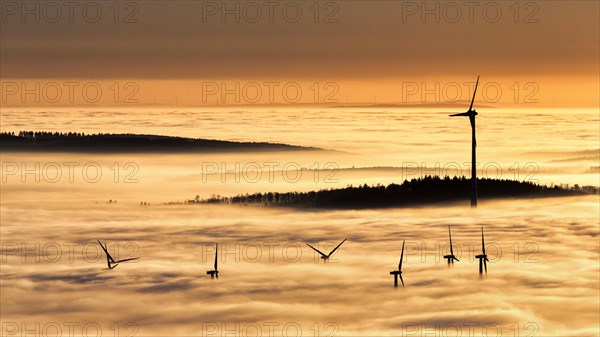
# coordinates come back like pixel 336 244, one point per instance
pixel 370 50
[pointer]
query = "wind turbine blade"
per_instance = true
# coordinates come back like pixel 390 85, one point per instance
pixel 106 251
pixel 216 254
pixel 460 114
pixel 131 259
pixel 482 241
pixel 338 246
pixel 401 257
pixel 456 259
pixel 450 235
pixel 474 92
pixel 318 251
pixel 402 280
pixel 485 265
pixel 480 266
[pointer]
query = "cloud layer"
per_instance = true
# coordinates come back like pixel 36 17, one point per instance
pixel 543 274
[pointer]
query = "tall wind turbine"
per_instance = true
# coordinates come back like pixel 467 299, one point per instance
pixel 471 114
pixel 483 259
pixel 398 273
pixel 451 258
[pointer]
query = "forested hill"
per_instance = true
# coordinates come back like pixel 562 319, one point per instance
pixel 29 141
pixel 427 190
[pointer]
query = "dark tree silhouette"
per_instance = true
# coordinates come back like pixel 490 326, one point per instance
pixel 102 142
pixel 429 189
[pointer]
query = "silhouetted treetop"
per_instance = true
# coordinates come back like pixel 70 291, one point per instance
pixel 429 189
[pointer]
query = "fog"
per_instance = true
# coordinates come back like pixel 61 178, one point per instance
pixel 543 275
pixel 549 146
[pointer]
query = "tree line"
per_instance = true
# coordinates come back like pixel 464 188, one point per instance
pixel 43 134
pixel 428 189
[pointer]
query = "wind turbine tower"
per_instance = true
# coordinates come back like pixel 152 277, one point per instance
pixel 471 114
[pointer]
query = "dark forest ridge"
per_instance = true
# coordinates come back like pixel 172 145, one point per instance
pixel 29 141
pixel 427 190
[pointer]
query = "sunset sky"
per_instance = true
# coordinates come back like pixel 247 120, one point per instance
pixel 369 49
pixel 136 123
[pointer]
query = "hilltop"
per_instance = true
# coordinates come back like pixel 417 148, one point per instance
pixel 427 190
pixel 28 141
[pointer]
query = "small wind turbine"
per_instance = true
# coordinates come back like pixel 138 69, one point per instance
pixel 324 256
pixel 215 272
pixel 451 258
pixel 398 273
pixel 471 114
pixel 109 259
pixel 483 259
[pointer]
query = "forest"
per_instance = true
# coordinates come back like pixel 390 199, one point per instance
pixel 41 141
pixel 426 190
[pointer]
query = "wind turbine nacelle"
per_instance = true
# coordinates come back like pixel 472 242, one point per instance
pixel 212 272
pixel 395 272
pixel 481 257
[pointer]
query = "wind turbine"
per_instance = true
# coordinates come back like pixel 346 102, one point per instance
pixel 398 273
pixel 483 259
pixel 215 272
pixel 451 258
pixel 109 259
pixel 471 114
pixel 324 256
